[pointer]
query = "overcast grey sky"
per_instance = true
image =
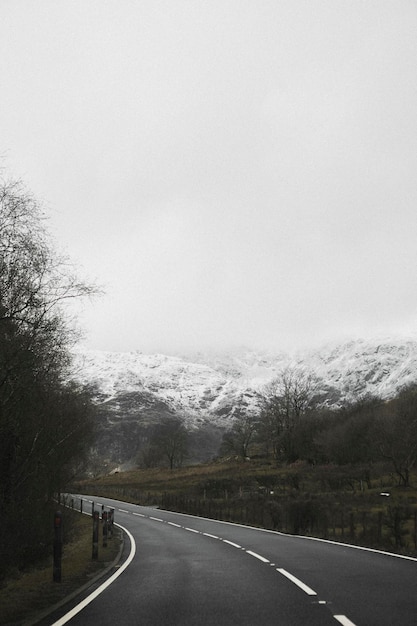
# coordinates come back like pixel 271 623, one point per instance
pixel 231 171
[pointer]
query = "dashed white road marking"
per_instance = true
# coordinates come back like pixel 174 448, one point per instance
pixel 231 543
pixel 297 582
pixel 257 556
pixel 342 619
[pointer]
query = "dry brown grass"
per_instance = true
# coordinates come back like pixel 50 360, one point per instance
pixel 160 480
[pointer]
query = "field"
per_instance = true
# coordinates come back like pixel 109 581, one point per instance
pixel 357 504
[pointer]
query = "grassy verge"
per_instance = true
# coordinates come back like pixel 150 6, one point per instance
pixel 25 595
pixel 360 504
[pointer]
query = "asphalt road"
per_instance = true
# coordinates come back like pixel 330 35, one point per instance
pixel 193 571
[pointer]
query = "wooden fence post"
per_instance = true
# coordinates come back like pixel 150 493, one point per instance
pixel 96 520
pixel 58 537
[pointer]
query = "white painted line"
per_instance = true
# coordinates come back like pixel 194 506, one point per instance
pixel 282 534
pixel 235 545
pixel 212 536
pixel 79 607
pixel 156 519
pixel 297 582
pixel 139 514
pixel 192 530
pixel 174 524
pixel 123 511
pixel 342 619
pixel 257 556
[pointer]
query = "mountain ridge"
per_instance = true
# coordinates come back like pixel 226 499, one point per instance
pixel 135 390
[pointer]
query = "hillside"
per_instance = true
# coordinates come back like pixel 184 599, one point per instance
pixel 134 390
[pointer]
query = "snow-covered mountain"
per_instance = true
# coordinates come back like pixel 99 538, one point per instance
pixel 208 390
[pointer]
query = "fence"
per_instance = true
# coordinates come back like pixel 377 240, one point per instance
pixel 385 524
pixel 389 527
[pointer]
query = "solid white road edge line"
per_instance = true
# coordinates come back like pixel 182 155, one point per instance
pixel 277 532
pixel 282 534
pixel 79 607
pixel 297 582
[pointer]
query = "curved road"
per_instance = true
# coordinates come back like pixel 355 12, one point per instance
pixel 195 571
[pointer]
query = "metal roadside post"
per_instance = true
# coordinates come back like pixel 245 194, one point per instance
pixel 58 539
pixel 111 522
pixel 96 524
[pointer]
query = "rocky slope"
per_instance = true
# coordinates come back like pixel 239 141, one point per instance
pixel 135 390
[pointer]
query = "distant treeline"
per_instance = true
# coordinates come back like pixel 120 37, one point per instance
pixel 295 425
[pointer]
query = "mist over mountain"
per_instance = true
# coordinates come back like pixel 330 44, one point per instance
pixel 208 390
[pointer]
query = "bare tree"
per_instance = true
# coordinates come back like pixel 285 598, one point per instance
pixel 238 439
pixel 286 401
pixel 348 435
pixel 397 434
pixel 45 421
pixel 169 442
